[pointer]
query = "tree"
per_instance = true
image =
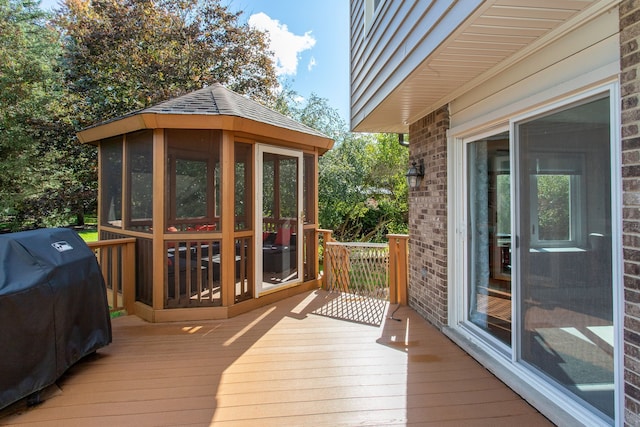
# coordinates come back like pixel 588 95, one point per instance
pixel 363 191
pixel 362 187
pixel 387 185
pixel 554 213
pixel 125 55
pixel 342 174
pixel 29 94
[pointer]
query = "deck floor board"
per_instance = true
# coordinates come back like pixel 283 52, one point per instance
pixel 278 366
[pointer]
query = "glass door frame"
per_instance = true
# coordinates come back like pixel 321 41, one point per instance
pixel 261 150
pixel 509 358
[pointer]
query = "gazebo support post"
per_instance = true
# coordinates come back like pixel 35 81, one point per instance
pixel 159 249
pixel 227 193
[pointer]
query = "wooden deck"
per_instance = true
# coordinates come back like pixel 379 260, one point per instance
pixel 281 365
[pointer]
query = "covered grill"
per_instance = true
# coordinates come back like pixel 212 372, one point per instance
pixel 53 309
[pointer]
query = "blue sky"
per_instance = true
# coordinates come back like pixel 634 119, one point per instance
pixel 310 40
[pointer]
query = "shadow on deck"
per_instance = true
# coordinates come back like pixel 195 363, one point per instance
pixel 280 365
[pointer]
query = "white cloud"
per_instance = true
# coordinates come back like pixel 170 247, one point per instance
pixel 285 45
pixel 311 64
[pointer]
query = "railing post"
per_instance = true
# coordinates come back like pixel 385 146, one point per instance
pixel 398 268
pixel 326 237
pixel 393 270
pixel 403 269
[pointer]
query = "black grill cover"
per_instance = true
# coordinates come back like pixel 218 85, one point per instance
pixel 53 309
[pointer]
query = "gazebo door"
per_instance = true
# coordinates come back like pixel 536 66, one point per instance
pixel 278 225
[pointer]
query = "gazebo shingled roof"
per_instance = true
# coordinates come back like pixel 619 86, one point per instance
pixel 212 101
pixel 218 100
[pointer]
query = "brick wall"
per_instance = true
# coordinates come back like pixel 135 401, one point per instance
pixel 428 219
pixel 630 88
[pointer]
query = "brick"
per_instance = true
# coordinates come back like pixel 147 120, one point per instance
pixel 629 102
pixel 631 199
pixel 627 7
pixel 629 75
pixel 629 130
pixel 631 157
pixel 632 296
pixel 632 391
pixel 631 171
pixel 630 19
pixel 630 60
pixel 629 88
pixel 631 115
pixel 630 32
pixel 628 48
pixel 631 337
pixel 632 283
pixel 630 213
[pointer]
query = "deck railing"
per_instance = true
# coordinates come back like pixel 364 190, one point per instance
pixel 375 270
pixel 117 262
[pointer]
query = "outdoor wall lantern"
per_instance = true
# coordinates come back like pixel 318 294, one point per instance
pixel 415 174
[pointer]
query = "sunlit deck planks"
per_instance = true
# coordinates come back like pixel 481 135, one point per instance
pixel 280 366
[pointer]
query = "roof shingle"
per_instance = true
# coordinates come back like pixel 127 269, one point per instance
pixel 218 100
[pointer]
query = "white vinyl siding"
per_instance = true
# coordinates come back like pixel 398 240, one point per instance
pixel 411 58
pixel 401 35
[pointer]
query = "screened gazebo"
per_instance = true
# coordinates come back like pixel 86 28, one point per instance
pixel 221 195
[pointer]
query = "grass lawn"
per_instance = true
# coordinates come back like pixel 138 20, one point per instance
pixel 89 235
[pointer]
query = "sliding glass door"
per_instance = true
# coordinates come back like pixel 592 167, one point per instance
pixel 564 204
pixel 539 247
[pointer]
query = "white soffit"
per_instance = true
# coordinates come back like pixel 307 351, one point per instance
pixel 497 35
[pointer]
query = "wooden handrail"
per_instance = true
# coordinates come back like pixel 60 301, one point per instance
pixel 118 272
pixel 112 242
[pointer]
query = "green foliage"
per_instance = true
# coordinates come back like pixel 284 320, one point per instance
pixel 89 235
pixel 125 55
pixel 30 95
pixel 553 207
pixel 362 185
pixel 363 190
